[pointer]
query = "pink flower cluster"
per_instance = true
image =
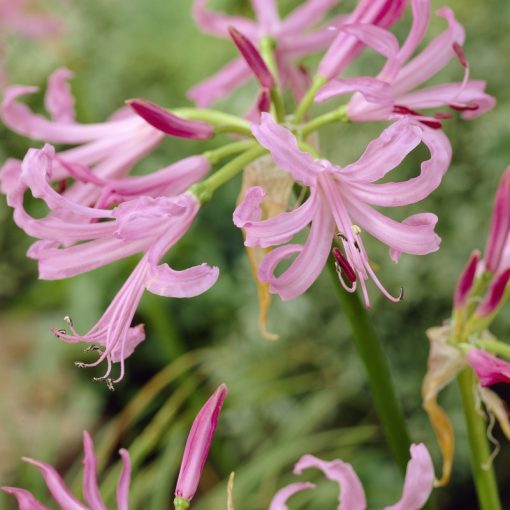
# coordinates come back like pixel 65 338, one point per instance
pixel 98 213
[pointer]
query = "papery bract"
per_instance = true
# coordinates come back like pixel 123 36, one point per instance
pixel 343 197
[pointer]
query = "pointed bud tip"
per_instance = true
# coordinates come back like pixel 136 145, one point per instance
pixel 466 280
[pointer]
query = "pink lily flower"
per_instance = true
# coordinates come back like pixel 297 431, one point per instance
pixel 61 493
pixel 367 16
pixel 294 38
pixel 392 92
pixel 111 148
pixel 489 369
pixel 341 200
pixel 418 484
pixel 198 445
pixel 73 241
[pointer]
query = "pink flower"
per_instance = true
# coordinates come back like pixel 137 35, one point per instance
pixel 293 37
pixel 61 493
pixel 392 91
pixel 198 445
pixel 110 148
pixel 418 482
pixel 499 233
pixel 489 369
pixel 341 200
pixel 73 241
pixel 369 14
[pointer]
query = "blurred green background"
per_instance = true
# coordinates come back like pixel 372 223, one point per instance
pixel 305 393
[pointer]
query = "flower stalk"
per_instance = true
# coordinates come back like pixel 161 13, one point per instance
pixel 481 467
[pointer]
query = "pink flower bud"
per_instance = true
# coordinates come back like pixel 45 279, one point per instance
pixel 500 226
pixel 253 58
pixel 466 281
pixel 198 445
pixel 489 369
pixel 494 296
pixel 169 123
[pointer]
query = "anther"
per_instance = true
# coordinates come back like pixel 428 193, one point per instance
pixel 355 229
pixel 61 331
pixel 343 237
pixel 109 384
pixel 342 265
pixel 92 348
pixel 400 296
pixel 79 364
pixel 457 48
pixel 68 320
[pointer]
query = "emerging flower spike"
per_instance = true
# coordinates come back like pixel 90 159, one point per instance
pixel 293 40
pixel 341 199
pixel 391 93
pixel 197 448
pixel 61 493
pixel 73 241
pixel 489 369
pixel 418 482
pixel 169 123
pixel 498 239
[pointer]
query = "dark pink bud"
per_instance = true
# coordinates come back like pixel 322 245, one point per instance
pixel 253 58
pixel 494 296
pixel 466 281
pixel 198 445
pixel 500 225
pixel 264 101
pixel 169 123
pixel 343 264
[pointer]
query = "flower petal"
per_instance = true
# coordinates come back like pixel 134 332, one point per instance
pixel 220 85
pixel 419 480
pixel 56 486
pixel 59 101
pixel 26 500
pixel 306 15
pixel 379 39
pixel 352 495
pixel 282 145
pixel 90 488
pixel 124 481
pixel 372 89
pixel 279 501
pixel 266 12
pixel 489 369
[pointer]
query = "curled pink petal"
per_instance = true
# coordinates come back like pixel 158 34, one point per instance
pixel 352 495
pixel 489 369
pixel 26 500
pixel 90 488
pixel 279 501
pixel 377 38
pixel 169 123
pixel 198 444
pixel 58 99
pixel 372 89
pixel 249 208
pixel 124 481
pixel 419 480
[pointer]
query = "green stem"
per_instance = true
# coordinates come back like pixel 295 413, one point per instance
pixel 370 350
pixel 216 155
pixel 307 100
pixel 223 122
pixel 205 189
pixel 483 474
pixel 338 115
pixel 495 347
pixel 267 47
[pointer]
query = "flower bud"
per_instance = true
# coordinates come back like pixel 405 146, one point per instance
pixel 197 448
pixel 253 58
pixel 169 123
pixel 493 298
pixel 466 281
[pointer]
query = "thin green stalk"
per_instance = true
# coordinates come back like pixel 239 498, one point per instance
pixel 267 48
pixel 205 189
pixel 307 100
pixel 338 115
pixel 216 155
pixel 223 122
pixel 483 471
pixel 495 347
pixel 370 350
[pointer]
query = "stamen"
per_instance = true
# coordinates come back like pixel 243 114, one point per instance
pixel 93 348
pixel 80 364
pixel 342 264
pixel 355 229
pixel 68 320
pixel 343 237
pixel 58 332
pixel 457 48
pixel 109 384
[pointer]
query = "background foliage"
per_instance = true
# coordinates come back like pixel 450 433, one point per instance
pixel 303 393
